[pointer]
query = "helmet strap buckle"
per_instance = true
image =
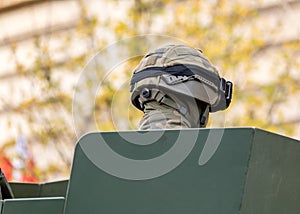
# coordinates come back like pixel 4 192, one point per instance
pixel 204 116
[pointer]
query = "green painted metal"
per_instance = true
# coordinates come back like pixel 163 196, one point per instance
pixel 25 190
pixel 34 190
pixel 252 171
pixel 52 205
pixel 273 179
pixel 216 187
pixel 52 189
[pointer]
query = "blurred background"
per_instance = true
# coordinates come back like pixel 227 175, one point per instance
pixel 45 45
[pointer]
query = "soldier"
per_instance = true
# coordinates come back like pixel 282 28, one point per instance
pixel 176 87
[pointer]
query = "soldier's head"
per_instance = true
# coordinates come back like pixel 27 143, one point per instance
pixel 176 87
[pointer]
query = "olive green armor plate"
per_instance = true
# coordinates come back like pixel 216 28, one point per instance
pixel 251 171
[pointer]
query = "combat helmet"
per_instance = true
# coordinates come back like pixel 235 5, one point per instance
pixel 179 70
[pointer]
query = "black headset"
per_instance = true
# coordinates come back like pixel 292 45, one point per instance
pixel 226 88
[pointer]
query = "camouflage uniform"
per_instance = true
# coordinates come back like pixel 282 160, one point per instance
pixel 160 116
pixel 176 87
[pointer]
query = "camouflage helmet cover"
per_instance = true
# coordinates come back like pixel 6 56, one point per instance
pixel 181 70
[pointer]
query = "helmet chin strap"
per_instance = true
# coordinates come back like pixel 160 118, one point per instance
pixel 176 103
pixel 204 117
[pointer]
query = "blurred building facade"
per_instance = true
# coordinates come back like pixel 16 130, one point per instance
pixel 27 28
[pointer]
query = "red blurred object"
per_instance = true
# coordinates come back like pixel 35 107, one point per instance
pixel 29 178
pixel 29 175
pixel 6 166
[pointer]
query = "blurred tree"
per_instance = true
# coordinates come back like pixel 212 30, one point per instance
pixel 231 34
pixel 228 32
pixel 47 110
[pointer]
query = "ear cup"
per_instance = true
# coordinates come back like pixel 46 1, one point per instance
pixel 225 96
